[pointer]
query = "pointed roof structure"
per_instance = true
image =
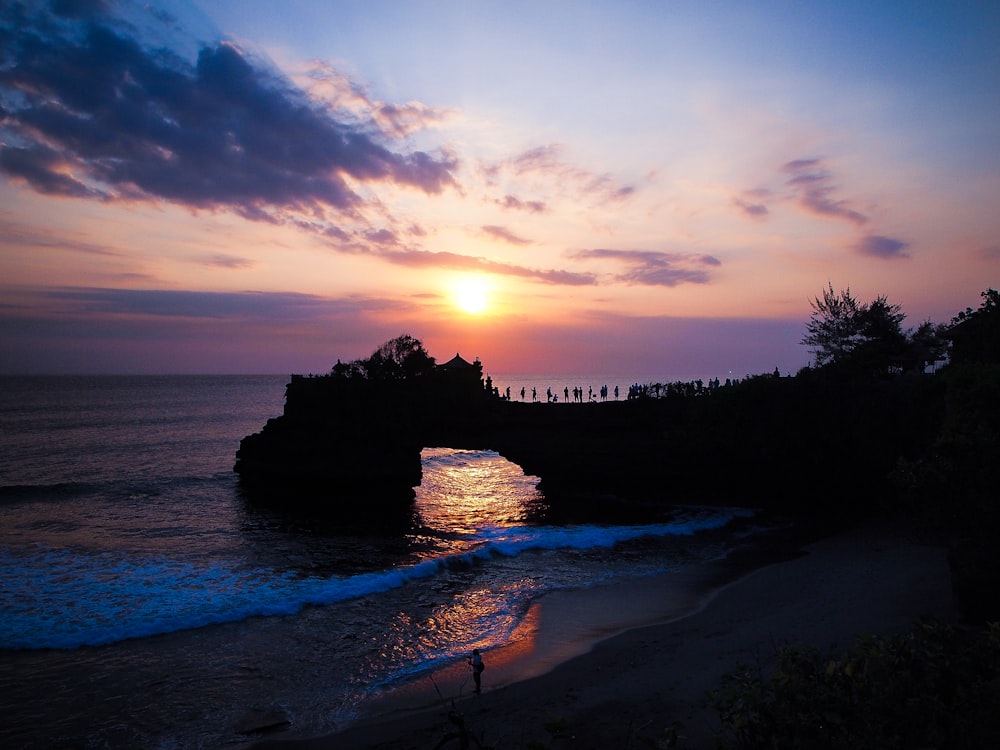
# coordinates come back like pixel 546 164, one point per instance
pixel 457 363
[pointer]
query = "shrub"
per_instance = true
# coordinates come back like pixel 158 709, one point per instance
pixel 935 687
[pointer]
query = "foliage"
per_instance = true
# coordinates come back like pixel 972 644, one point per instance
pixel 401 358
pixel 867 339
pixel 953 484
pixel 935 687
pixel 975 334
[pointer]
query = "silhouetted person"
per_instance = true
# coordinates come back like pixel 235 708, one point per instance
pixel 534 394
pixel 566 394
pixel 476 662
pixel 522 393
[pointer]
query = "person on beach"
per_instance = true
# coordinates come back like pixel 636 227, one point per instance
pixel 476 662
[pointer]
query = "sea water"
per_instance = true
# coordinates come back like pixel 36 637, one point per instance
pixel 145 600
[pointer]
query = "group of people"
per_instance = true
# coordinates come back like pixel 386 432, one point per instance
pixel 551 397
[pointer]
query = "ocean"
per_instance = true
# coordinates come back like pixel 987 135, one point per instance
pixel 147 601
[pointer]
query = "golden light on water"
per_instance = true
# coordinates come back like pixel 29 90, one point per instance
pixel 465 496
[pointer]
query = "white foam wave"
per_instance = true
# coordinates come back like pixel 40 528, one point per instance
pixel 66 599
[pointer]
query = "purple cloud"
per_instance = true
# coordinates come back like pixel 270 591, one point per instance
pixel 455 261
pixel 548 162
pixel 512 202
pixel 753 210
pixel 222 260
pixel 383 238
pixel 21 236
pixel 89 112
pixel 503 234
pixel 882 247
pixel 352 102
pixel 654 268
pixel 214 305
pixel 814 186
pixel 154 330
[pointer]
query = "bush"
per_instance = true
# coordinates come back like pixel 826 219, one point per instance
pixel 935 687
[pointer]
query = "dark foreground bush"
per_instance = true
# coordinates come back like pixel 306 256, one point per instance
pixel 935 687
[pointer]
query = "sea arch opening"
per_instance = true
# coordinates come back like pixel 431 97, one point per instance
pixel 463 490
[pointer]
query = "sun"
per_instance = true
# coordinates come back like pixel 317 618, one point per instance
pixel 471 295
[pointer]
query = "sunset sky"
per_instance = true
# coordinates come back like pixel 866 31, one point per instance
pixel 643 188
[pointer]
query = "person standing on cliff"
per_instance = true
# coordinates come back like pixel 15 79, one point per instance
pixel 476 662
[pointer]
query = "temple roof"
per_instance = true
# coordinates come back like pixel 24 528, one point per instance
pixel 457 363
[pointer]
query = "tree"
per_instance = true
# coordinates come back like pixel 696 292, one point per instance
pixel 849 334
pixel 975 334
pixel 401 358
pixel 882 346
pixel 833 326
pixel 868 339
pixel 928 344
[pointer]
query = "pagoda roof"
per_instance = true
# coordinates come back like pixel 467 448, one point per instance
pixel 457 363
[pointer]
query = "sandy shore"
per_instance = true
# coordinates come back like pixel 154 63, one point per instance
pixel 632 685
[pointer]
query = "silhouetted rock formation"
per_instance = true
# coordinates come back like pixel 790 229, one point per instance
pixel 358 437
pixel 793 444
pixel 830 444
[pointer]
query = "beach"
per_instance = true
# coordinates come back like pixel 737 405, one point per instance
pixel 134 564
pixel 631 686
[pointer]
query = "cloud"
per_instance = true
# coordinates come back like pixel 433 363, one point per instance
pixel 40 167
pixel 654 268
pixel 455 261
pixel 383 238
pixel 98 330
pixel 89 112
pixel 21 236
pixel 751 202
pixel 504 234
pixel 347 100
pixel 547 162
pixel 814 186
pixel 190 304
pixel 882 247
pixel 753 210
pixel 79 8
pixel 223 260
pixel 512 202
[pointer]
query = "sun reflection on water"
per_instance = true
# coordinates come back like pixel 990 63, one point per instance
pixel 465 491
pixel 466 498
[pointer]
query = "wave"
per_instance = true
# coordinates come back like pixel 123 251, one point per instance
pixel 65 599
pixel 514 540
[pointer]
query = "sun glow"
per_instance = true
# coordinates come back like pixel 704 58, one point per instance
pixel 471 294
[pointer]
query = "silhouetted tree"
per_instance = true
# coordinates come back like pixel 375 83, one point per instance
pixel 927 345
pixel 401 358
pixel 833 326
pixel 975 334
pixel 868 339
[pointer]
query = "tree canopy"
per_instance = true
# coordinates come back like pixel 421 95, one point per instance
pixel 401 358
pixel 868 339
pixel 975 334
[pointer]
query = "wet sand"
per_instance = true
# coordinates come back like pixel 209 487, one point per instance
pixel 632 685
